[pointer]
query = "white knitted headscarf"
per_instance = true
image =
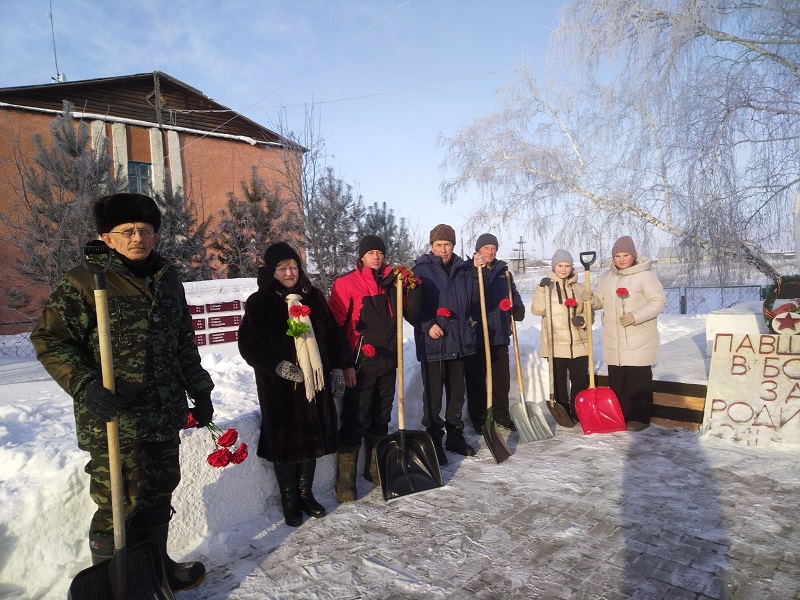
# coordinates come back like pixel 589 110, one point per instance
pixel 307 352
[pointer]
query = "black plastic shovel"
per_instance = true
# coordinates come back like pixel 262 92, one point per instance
pixel 406 460
pixel 135 573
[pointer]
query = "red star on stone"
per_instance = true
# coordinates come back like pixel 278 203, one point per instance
pixel 787 321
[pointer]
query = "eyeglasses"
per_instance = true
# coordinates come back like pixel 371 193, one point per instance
pixel 144 232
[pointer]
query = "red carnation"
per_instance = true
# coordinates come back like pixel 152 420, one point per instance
pixel 190 421
pixel 570 303
pixel 239 455
pixel 783 308
pixel 228 438
pixel 220 458
pixel 368 350
pixel 443 312
pixel 505 304
pixel 623 292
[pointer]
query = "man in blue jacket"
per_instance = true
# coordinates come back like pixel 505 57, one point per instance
pixel 498 317
pixel 444 334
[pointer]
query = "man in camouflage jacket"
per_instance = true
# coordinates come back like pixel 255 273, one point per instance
pixel 155 364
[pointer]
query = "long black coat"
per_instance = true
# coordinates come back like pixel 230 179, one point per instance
pixel 292 428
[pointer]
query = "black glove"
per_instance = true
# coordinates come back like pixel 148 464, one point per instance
pixel 518 312
pixel 544 282
pixel 102 402
pixel 203 410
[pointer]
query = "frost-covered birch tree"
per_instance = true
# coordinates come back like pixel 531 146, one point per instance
pixel 683 121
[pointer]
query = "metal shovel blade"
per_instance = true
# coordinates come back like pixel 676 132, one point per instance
pixel 530 422
pixel 599 411
pixel 407 464
pixel 145 577
pixel 560 414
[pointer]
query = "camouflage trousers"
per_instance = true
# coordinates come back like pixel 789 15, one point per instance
pixel 150 473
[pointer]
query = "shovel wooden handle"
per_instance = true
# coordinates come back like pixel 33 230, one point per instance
pixel 587 307
pixel 515 340
pixel 486 348
pixel 401 419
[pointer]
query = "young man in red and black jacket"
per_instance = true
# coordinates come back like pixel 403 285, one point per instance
pixel 363 302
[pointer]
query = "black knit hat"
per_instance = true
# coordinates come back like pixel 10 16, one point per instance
pixel 370 242
pixel 278 252
pixel 486 239
pixel 110 211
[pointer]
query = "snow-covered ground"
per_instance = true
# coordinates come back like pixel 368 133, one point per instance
pixel 45 508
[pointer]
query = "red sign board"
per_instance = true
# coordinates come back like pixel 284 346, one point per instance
pixel 225 321
pixel 200 340
pixel 221 337
pixel 196 309
pixel 198 324
pixel 224 306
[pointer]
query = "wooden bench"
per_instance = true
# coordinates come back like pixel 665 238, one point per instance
pixel 674 404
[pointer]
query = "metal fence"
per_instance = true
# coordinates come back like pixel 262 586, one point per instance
pixel 702 300
pixel 17 345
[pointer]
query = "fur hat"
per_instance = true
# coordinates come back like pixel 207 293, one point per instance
pixel 370 242
pixel 278 252
pixel 110 211
pixel 624 244
pixel 443 233
pixel 561 256
pixel 486 239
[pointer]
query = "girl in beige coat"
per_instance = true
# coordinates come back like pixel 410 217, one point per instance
pixel 631 297
pixel 570 345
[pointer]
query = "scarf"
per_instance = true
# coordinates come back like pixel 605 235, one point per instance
pixel 307 352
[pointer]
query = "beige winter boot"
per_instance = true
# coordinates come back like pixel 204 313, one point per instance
pixel 346 466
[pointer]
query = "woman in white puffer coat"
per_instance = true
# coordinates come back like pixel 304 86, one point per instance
pixel 631 297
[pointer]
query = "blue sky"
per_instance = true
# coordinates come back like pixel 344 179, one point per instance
pixel 387 77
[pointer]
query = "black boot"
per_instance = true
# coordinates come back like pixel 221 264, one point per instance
pixel 152 523
pixel 288 484
pixel 458 444
pixel 101 545
pixel 309 504
pixel 370 464
pixel 346 467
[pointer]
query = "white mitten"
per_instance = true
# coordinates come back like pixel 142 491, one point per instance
pixel 288 371
pixel 337 383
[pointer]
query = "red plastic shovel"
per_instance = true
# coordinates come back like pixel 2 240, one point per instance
pixel 597 408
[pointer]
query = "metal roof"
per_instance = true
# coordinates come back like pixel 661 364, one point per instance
pixel 153 97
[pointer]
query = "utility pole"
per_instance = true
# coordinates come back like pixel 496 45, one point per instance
pixel 520 255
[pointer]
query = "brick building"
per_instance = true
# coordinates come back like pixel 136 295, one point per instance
pixel 163 135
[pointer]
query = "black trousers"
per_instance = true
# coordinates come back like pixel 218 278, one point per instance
pixel 576 370
pixel 367 407
pixel 475 376
pixel 438 378
pixel 634 389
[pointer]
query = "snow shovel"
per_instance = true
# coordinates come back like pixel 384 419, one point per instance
pixel 497 445
pixel 135 573
pixel 558 411
pixel 598 409
pixel 527 416
pixel 406 460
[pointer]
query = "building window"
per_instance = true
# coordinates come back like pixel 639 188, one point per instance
pixel 140 177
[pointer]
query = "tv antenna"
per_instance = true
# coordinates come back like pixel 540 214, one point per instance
pixel 59 78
